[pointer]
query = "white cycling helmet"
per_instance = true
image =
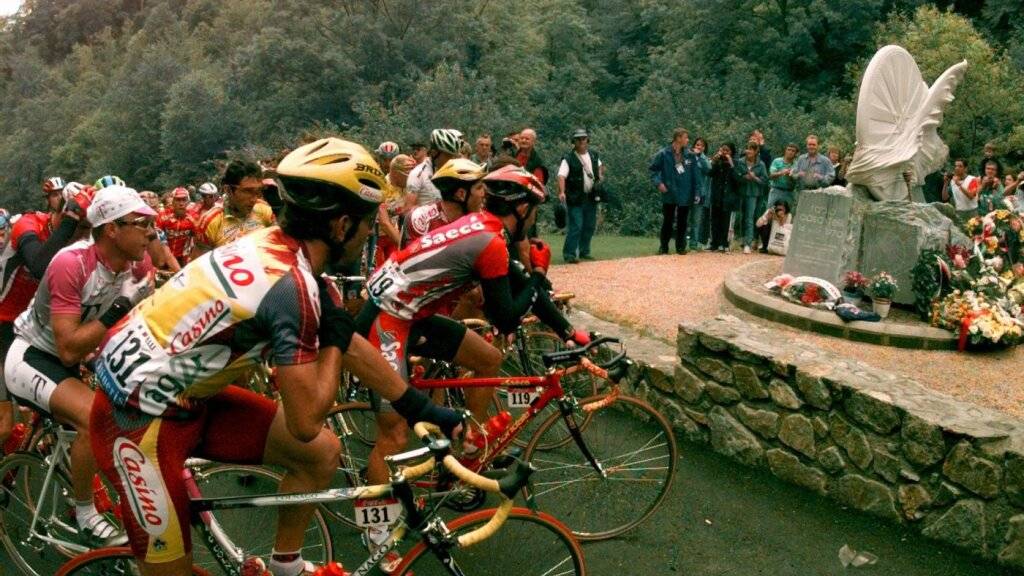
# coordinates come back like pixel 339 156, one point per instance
pixel 208 189
pixel 447 140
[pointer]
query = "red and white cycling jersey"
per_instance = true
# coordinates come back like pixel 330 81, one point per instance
pixel 431 273
pixel 17 286
pixel 423 219
pixel 76 282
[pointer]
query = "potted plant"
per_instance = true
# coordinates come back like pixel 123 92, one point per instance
pixel 853 287
pixel 882 287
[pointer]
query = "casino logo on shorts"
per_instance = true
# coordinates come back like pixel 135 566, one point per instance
pixel 143 485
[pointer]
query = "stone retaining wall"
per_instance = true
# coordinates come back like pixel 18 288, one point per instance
pixel 865 437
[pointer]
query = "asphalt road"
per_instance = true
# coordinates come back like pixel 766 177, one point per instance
pixel 722 518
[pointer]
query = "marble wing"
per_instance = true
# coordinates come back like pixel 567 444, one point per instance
pixel 897 123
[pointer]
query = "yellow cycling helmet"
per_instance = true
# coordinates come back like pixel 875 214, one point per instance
pixel 455 174
pixel 331 175
pixel 460 169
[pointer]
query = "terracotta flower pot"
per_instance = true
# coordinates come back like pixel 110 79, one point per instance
pixel 881 306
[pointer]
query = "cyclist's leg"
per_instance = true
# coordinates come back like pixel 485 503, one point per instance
pixel 6 405
pixel 41 380
pixel 309 466
pixel 143 457
pixel 390 336
pixel 474 353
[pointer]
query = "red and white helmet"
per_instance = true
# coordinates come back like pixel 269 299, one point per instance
pixel 514 184
pixel 387 150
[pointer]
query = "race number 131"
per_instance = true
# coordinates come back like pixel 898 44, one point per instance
pixel 378 512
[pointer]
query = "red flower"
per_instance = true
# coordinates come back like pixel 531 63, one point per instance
pixel 811 294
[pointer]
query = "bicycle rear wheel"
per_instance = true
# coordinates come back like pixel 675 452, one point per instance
pixel 108 562
pixel 636 449
pixel 252 529
pixel 21 486
pixel 527 544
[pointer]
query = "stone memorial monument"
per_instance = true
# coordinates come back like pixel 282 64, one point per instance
pixel 877 223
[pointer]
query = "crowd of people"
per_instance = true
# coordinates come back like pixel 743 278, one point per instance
pixel 246 263
pixel 717 200
pixel 709 199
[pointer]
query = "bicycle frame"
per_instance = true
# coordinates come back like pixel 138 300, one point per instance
pixel 59 455
pixel 231 558
pixel 553 392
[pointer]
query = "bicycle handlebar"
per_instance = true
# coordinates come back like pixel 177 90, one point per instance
pixel 507 486
pixel 616 368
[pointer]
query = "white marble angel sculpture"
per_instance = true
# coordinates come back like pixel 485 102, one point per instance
pixel 898 117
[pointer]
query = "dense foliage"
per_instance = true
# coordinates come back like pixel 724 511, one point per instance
pixel 158 92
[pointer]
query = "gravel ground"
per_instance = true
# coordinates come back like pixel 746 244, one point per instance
pixel 655 293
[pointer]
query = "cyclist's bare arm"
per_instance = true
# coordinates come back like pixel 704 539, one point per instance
pixel 74 339
pixel 308 391
pixel 363 360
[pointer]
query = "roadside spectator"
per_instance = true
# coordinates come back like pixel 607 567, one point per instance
pixel 751 174
pixel 528 156
pixel 763 152
pixel 768 224
pixel 990 193
pixel 962 190
pixel 700 213
pixel 674 174
pixel 724 197
pixel 483 150
pixel 1011 190
pixel 780 178
pixel 580 170
pixel 989 155
pixel 835 156
pixel 811 170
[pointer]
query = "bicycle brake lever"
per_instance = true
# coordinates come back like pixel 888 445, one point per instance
pixel 516 478
pixel 620 370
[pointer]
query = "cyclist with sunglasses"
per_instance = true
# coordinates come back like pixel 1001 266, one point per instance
pixel 165 372
pixel 32 242
pixel 86 290
pixel 243 210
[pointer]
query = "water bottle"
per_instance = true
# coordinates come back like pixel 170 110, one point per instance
pixel 331 569
pixel 18 433
pixel 492 430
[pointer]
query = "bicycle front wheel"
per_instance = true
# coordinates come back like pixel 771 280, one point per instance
pixel 527 544
pixel 635 452
pixel 22 488
pixel 252 529
pixel 108 562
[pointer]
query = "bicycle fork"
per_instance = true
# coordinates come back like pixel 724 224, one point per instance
pixel 567 409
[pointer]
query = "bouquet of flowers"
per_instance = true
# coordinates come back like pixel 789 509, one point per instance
pixel 883 286
pixel 980 321
pixel 854 282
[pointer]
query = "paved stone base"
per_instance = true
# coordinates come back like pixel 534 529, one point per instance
pixel 871 440
pixel 886 333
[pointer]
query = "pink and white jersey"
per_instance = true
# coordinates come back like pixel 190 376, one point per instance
pixel 76 282
pixel 431 273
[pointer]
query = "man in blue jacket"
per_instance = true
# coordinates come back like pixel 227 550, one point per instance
pixel 674 174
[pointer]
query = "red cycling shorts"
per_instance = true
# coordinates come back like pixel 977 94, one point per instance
pixel 143 456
